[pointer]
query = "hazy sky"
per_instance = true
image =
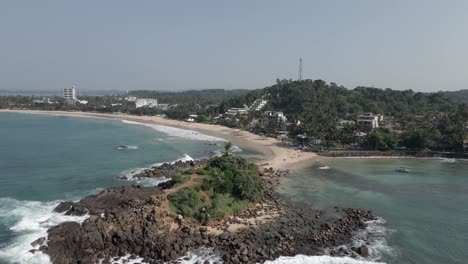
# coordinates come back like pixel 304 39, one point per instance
pixel 180 45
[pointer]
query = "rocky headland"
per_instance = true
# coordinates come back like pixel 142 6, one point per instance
pixel 137 221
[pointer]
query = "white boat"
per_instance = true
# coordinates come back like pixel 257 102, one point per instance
pixel 121 147
pixel 324 168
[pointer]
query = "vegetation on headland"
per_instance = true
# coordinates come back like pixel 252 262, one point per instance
pixel 188 202
pixel 318 115
pixel 230 182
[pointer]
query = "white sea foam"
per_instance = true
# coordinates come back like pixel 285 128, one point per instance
pixel 199 256
pixel 219 152
pixel 447 160
pixel 28 221
pixel 235 149
pixel 301 259
pixel 126 260
pixel 373 236
pixel 149 182
pixel 205 254
pixel 129 175
pixel 177 132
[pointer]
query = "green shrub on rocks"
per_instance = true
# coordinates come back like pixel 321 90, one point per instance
pixel 234 175
pixel 230 181
pixel 225 204
pixel 179 178
pixel 187 202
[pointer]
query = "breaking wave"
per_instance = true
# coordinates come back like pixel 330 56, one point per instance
pixel 129 175
pixel 199 256
pixel 373 236
pixel 301 259
pixel 28 221
pixel 127 259
pixel 177 132
pixel 219 152
pixel 447 160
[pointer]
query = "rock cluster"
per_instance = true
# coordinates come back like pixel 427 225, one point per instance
pixel 133 220
pixel 167 169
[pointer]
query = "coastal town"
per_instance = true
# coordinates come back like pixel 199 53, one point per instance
pixel 310 129
pixel 233 132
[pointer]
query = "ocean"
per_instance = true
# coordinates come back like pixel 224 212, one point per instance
pixel 424 213
pixel 47 159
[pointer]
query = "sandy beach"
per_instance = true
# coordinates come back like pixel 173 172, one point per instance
pixel 276 154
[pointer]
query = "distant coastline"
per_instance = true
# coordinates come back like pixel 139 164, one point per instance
pixel 276 154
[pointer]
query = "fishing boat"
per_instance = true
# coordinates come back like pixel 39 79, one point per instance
pixel 402 170
pixel 324 168
pixel 121 147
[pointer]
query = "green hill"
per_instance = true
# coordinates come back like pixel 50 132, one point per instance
pixel 296 97
pixel 458 96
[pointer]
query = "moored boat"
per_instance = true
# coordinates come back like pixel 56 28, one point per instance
pixel 402 170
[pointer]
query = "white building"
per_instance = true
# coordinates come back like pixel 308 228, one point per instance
pixel 146 102
pixel 234 111
pixel 275 119
pixel 131 98
pixel 258 104
pixel 275 116
pixel 69 93
pixel 369 120
pixel 45 100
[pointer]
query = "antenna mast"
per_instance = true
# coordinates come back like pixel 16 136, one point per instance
pixel 300 69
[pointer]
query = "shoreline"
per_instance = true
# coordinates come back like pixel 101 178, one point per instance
pixel 329 228
pixel 275 154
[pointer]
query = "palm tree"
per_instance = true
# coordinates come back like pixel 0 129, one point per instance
pixel 227 148
pixel 217 179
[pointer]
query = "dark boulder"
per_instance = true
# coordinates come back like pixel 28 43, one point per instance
pixel 363 251
pixel 38 242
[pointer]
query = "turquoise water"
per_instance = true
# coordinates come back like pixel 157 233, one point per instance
pixel 426 210
pixel 47 159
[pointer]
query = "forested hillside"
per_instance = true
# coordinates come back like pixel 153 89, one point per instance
pixel 202 97
pixel 458 96
pixel 295 97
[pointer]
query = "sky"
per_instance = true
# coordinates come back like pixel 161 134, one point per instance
pixel 181 45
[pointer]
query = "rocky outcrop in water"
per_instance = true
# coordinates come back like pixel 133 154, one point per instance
pixel 167 169
pixel 135 220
